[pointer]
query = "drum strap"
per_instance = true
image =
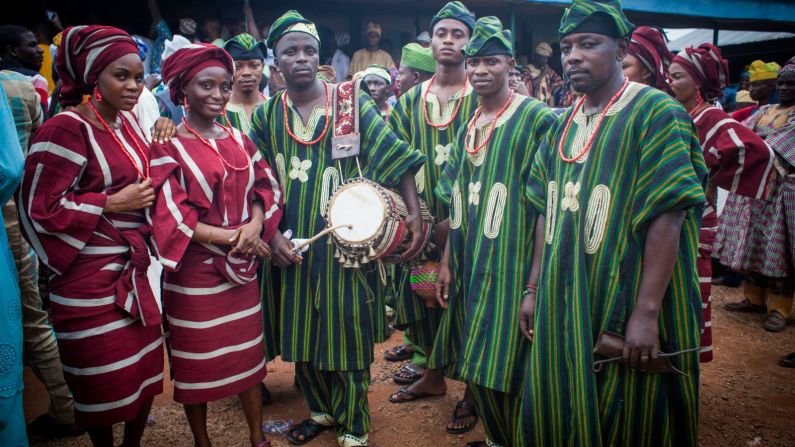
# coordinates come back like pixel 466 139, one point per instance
pixel 346 139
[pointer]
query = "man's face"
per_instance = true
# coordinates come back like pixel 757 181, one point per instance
pixel 28 52
pixel 539 60
pixel 297 58
pixel 372 39
pixel 448 38
pixel 762 90
pixel 489 74
pixel 405 79
pixel 248 74
pixel 786 88
pixel 590 59
pixel 379 88
pixel 514 78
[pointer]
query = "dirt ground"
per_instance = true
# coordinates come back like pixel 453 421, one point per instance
pixel 746 399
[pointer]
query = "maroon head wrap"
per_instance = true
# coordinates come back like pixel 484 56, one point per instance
pixel 648 45
pixel 179 68
pixel 707 67
pixel 85 51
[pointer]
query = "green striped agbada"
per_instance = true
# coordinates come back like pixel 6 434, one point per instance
pixel 645 161
pixel 328 314
pixel 408 120
pixel 490 243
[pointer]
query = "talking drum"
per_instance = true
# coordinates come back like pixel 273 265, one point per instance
pixel 369 224
pixel 423 278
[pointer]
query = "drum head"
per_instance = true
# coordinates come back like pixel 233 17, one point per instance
pixel 361 206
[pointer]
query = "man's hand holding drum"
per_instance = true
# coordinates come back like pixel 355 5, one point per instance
pixel 282 252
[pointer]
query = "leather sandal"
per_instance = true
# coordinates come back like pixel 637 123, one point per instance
pixel 745 306
pixel 308 428
pixel 775 322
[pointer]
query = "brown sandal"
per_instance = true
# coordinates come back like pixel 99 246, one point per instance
pixel 787 361
pixel 745 306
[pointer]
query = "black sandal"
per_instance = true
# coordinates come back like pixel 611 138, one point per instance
pixel 399 353
pixel 407 375
pixel 469 412
pixel 308 428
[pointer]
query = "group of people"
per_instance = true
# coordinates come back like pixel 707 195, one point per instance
pixel 574 245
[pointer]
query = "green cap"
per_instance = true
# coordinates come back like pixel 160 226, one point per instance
pixel 417 57
pixel 291 22
pixel 489 39
pixel 595 16
pixel 455 11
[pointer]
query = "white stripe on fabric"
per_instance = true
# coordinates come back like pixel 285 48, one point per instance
pixel 89 408
pixel 56 149
pixel 84 207
pixel 103 162
pixel 216 322
pixel 99 330
pixel 115 366
pixel 125 224
pixel 208 192
pixel 222 382
pixel 133 153
pixel 82 302
pixel 198 290
pixel 277 194
pixel 175 212
pixel 162 161
pixel 717 127
pixel 105 250
pixel 740 159
pixel 33 238
pixel 217 352
pixel 115 266
pixel 40 229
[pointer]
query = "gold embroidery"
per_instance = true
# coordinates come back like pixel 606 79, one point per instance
pixel 552 211
pixel 474 193
pixel 281 169
pixel 419 179
pixel 570 193
pixel 299 169
pixel 494 210
pixel 596 218
pixel 330 183
pixel 455 208
pixel 442 154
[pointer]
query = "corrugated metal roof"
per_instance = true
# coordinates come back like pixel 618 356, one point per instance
pixel 725 38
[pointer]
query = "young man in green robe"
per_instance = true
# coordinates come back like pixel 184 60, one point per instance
pixel 620 188
pixel 487 257
pixel 327 314
pixel 429 117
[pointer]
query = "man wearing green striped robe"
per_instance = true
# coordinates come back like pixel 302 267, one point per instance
pixel 428 117
pixel 327 312
pixel 619 184
pixel 487 257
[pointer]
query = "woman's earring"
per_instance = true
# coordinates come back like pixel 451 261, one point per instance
pixel 97 94
pixel 185 104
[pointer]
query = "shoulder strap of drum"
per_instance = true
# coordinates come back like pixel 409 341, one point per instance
pixel 346 140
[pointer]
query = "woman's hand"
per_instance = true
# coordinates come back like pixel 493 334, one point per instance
pixel 163 130
pixel 131 198
pixel 248 237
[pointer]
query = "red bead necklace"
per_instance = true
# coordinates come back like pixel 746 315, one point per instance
pixel 325 127
pixel 144 159
pixel 697 109
pixel 217 152
pixel 493 124
pixel 598 125
pixel 457 107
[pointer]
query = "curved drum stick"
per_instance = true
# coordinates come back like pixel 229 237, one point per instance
pixel 299 247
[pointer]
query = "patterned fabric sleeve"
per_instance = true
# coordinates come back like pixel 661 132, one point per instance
pixel 58 219
pixel 400 117
pixel 536 187
pixel 266 190
pixel 739 160
pixel 782 140
pixel 11 159
pixel 260 130
pixel 176 219
pixel 671 171
pixel 385 158
pixel 444 189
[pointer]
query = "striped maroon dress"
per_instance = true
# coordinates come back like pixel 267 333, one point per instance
pixel 105 317
pixel 740 162
pixel 214 322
